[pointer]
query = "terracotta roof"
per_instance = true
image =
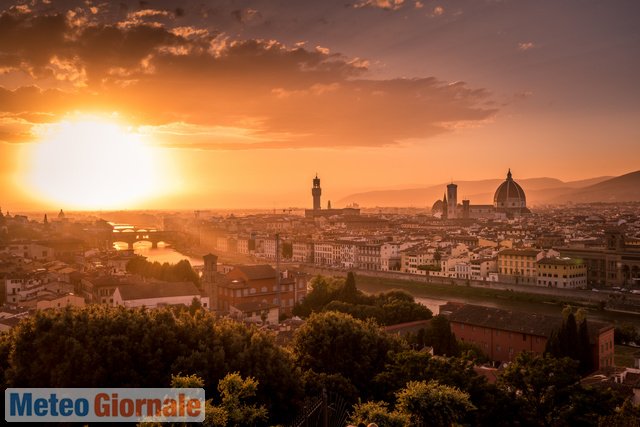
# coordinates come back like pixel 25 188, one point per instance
pixel 507 320
pixel 520 252
pixel 516 321
pixel 257 272
pixel 158 290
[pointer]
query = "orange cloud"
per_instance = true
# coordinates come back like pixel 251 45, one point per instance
pixel 207 90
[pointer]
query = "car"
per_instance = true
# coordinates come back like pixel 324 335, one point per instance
pixel 595 290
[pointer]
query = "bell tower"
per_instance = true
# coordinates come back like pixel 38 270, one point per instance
pixel 316 191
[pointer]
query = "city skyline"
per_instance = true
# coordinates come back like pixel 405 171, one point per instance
pixel 192 105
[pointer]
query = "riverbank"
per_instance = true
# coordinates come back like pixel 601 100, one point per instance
pixel 509 299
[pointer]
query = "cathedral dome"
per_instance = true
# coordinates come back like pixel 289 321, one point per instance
pixel 509 195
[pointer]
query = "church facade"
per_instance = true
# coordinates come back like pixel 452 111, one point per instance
pixel 509 201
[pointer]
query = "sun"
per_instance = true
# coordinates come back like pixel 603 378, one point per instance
pixel 93 163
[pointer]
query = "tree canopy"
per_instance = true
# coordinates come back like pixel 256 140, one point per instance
pixel 389 308
pixel 179 272
pixel 100 346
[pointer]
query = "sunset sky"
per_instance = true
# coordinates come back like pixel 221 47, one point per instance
pixel 218 104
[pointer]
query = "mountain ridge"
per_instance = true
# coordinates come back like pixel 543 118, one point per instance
pixel 540 190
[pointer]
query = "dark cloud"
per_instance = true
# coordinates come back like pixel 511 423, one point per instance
pixel 209 90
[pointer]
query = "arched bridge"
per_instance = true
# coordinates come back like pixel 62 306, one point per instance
pixel 130 237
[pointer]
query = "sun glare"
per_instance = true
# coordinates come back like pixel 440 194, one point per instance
pixel 91 163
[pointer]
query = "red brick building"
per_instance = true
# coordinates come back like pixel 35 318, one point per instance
pixel 257 284
pixel 502 334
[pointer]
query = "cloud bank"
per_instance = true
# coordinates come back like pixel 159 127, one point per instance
pixel 199 87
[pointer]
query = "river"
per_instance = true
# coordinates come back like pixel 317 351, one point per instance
pixel 162 254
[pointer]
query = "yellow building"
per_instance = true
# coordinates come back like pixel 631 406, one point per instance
pixel 519 265
pixel 566 273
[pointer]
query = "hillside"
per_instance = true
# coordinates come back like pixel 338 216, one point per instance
pixel 538 190
pixel 624 188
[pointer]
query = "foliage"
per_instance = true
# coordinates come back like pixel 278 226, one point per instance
pixel 336 343
pixel 235 392
pixel 378 413
pixel 102 346
pixel 549 392
pixel 626 333
pixel 314 383
pixel 628 415
pixel 572 340
pixel 323 291
pixel 492 403
pixel 388 308
pixel 437 335
pixel 434 404
pixel 180 272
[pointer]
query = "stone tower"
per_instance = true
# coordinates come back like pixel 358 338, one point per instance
pixel 316 191
pixel 452 199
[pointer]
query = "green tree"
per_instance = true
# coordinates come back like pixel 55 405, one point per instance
pixel 434 404
pixel 235 392
pixel 378 413
pixel 336 343
pixel 628 415
pixel 495 407
pixel 572 340
pixel 550 394
pixel 101 346
pixel 179 272
pixel 439 336
pixel 349 292
pixel 626 333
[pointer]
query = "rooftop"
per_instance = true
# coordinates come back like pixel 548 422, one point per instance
pixel 158 290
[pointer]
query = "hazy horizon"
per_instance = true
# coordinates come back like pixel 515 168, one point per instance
pixel 182 105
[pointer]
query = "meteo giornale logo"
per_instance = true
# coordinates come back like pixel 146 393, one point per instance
pixel 104 404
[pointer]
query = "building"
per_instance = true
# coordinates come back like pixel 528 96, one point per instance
pixel 452 200
pixel 615 264
pixel 566 273
pixel 509 201
pixel 259 284
pixel 519 266
pixel 318 212
pixel 60 301
pixel 503 334
pixel 158 294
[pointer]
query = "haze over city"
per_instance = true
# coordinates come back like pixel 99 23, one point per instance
pixel 192 104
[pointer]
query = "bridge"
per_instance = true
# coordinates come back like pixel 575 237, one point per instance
pixel 131 236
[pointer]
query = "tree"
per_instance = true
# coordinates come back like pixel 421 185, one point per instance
pixel 388 308
pixel 378 413
pixel 336 343
pixel 235 392
pixel 628 415
pixel 349 293
pixel 626 333
pixel 434 404
pixel 550 394
pixel 179 272
pixel 572 340
pixel 439 336
pixel 495 408
pixel 102 346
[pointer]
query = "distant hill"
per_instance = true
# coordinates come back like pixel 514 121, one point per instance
pixel 538 190
pixel 624 188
